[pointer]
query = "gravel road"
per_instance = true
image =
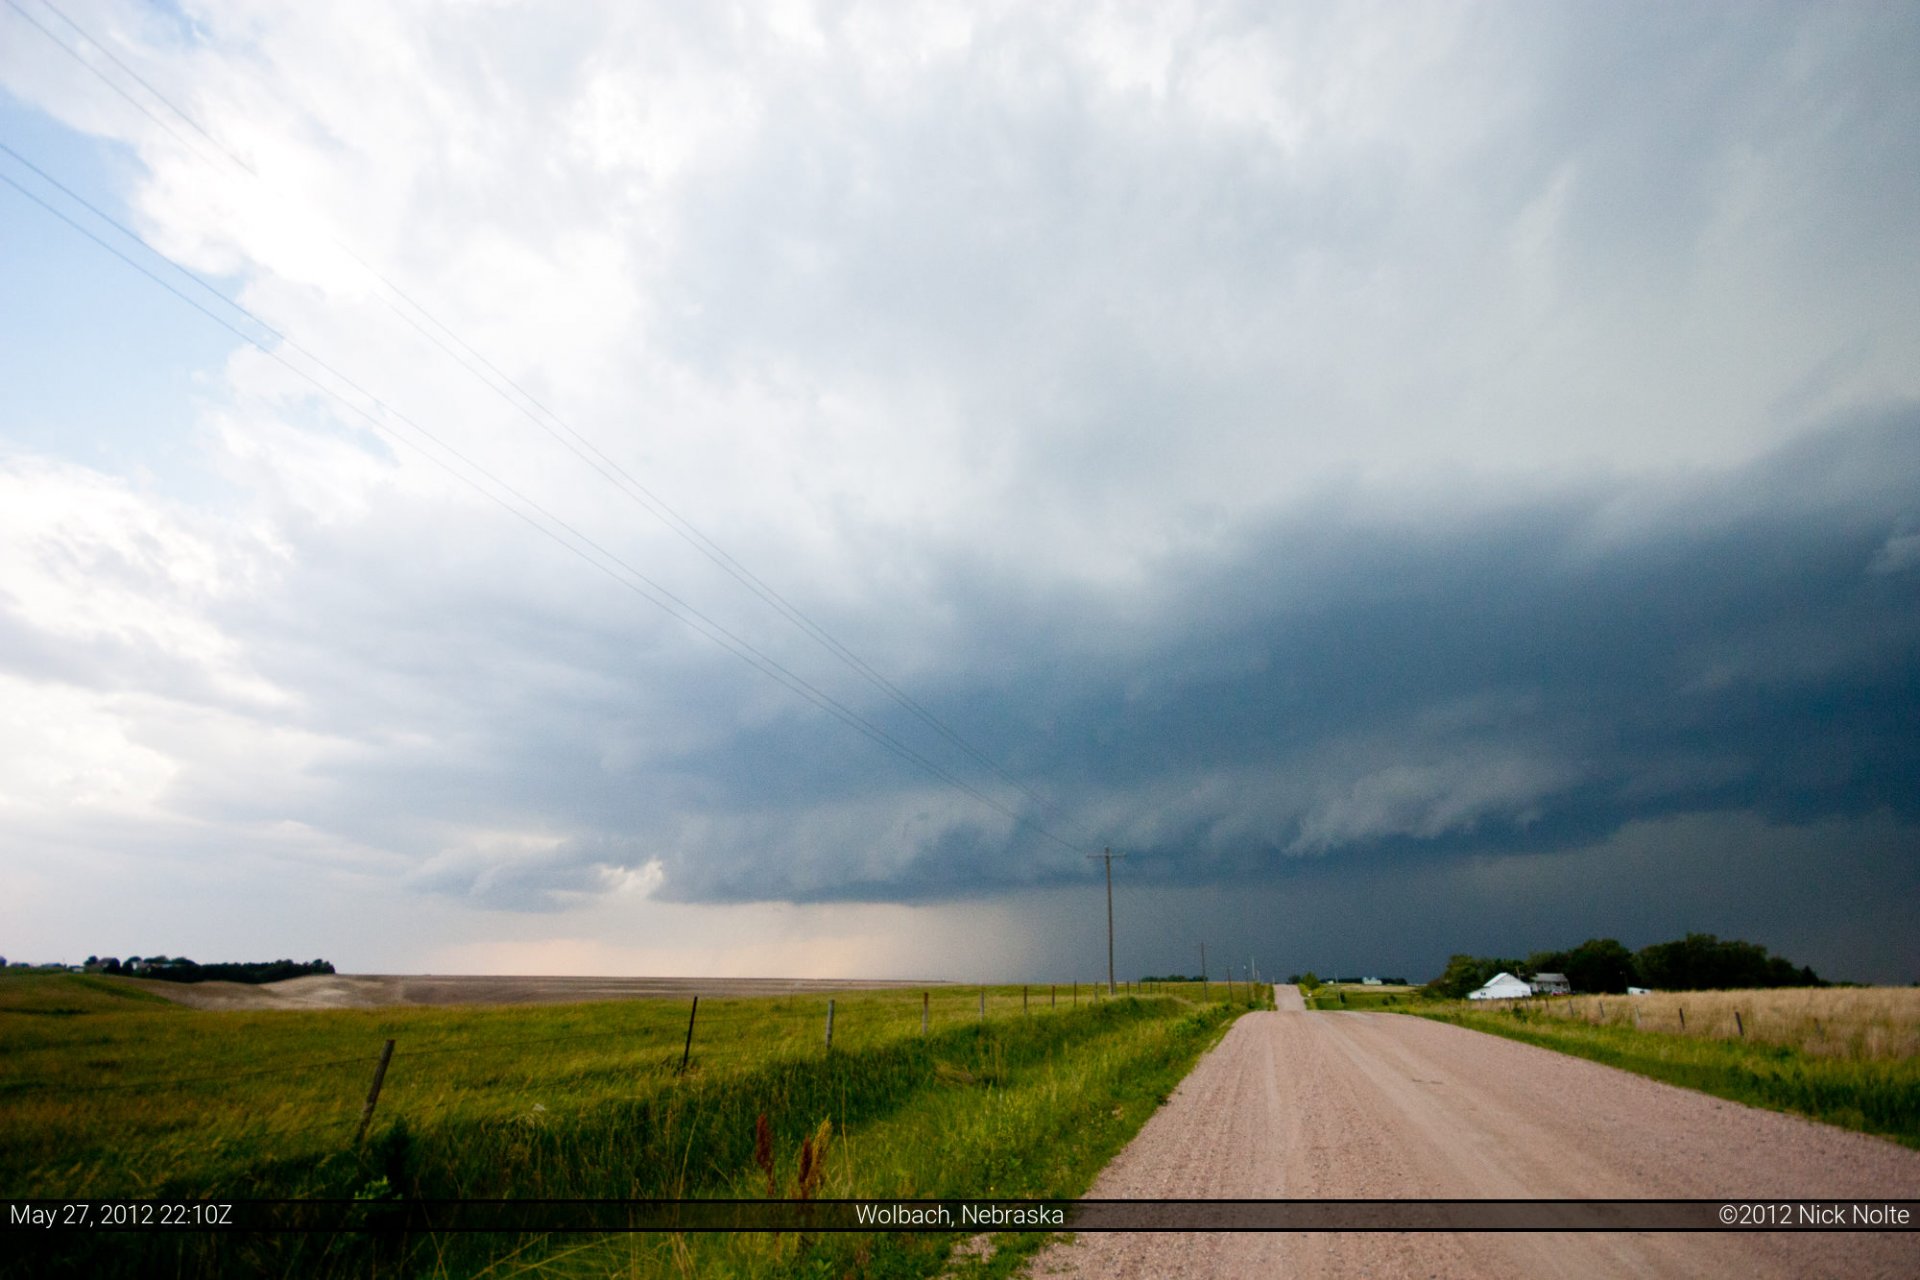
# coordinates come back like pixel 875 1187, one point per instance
pixel 1294 1104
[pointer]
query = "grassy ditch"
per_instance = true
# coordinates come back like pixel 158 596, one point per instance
pixel 105 1093
pixel 1858 1088
pixel 1335 996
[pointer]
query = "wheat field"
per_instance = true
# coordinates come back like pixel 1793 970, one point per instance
pixel 1852 1023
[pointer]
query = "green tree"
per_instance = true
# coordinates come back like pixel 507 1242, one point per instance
pixel 1703 962
pixel 1600 965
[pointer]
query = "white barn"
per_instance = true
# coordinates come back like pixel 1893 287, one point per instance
pixel 1502 986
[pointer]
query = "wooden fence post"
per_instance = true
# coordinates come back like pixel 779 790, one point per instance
pixel 373 1094
pixel 1738 1025
pixel 1683 1016
pixel 829 1024
pixel 688 1051
pixel 925 999
pixel 1023 1000
pixel 1053 995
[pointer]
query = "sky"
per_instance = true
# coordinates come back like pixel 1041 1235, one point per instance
pixel 769 489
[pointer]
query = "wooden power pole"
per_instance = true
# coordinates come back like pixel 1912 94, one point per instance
pixel 1108 856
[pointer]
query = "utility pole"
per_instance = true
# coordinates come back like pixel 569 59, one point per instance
pixel 1108 858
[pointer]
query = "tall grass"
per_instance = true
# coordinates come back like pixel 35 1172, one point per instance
pixel 1849 1023
pixel 104 1093
pixel 1832 1055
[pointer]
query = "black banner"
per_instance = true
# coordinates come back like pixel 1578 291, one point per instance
pixel 54 1217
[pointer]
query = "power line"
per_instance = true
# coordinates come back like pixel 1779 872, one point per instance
pixel 634 580
pixel 652 591
pixel 572 440
pixel 137 77
pixel 138 105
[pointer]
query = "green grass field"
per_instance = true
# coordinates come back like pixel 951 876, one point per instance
pixel 106 1091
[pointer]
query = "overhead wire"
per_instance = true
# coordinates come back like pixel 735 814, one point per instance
pixel 565 435
pixel 634 580
pixel 138 105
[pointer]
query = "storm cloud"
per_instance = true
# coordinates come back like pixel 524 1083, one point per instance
pixel 1310 449
pixel 1521 679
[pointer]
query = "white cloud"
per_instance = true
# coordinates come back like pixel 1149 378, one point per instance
pixel 65 752
pixel 1331 248
pixel 108 575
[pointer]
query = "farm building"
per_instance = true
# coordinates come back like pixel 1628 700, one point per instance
pixel 1551 984
pixel 1502 986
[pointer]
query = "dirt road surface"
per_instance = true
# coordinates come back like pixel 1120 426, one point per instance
pixel 1294 1104
pixel 372 990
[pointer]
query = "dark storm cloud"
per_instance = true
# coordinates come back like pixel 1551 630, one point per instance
pixel 1528 678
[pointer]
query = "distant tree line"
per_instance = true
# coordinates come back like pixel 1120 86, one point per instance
pixel 1697 962
pixel 181 969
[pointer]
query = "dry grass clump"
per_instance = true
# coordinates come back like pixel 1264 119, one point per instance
pixel 1851 1023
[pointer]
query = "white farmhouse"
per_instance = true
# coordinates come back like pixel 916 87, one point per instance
pixel 1502 986
pixel 1551 984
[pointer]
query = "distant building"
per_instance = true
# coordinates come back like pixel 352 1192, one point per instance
pixel 1370 982
pixel 1639 991
pixel 1551 984
pixel 1502 986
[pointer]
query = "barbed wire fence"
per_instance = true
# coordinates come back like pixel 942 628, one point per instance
pixel 349 1088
